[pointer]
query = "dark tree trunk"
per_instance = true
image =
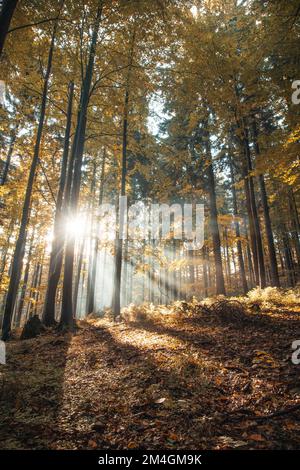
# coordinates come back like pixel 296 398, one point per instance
pixel 93 242
pixel 116 305
pixel 77 277
pixel 21 240
pixel 205 274
pixel 67 312
pixel 116 301
pixel 214 227
pixel 91 291
pixel 25 282
pixel 9 155
pixel 268 225
pixel 33 288
pixel 248 255
pixel 56 256
pixel 294 227
pixel 227 256
pixel 7 11
pixel 288 257
pixel 237 229
pixel 255 233
pixel 38 286
pixel 6 249
pixel 125 274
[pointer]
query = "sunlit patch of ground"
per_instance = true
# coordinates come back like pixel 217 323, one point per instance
pixel 164 381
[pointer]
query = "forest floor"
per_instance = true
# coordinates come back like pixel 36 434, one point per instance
pixel 163 378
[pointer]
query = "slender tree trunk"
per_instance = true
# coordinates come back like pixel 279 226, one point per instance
pixel 6 14
pixel 288 257
pixel 33 290
pixel 116 303
pixel 255 233
pixel 56 257
pixel 6 249
pixel 92 251
pixel 38 286
pixel 294 227
pixel 237 229
pixel 25 282
pixel 91 292
pixel 125 274
pixel 77 277
pixel 191 266
pixel 248 255
pixel 67 313
pixel 9 155
pixel 227 256
pixel 205 274
pixel 268 225
pixel 21 240
pixel 119 241
pixel 220 284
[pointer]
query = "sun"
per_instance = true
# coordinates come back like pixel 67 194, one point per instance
pixel 194 11
pixel 75 226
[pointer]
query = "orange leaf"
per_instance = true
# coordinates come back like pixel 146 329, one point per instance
pixel 92 444
pixel 131 445
pixel 256 437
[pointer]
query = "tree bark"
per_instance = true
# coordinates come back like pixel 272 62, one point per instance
pixel 294 227
pixel 116 303
pixel 21 240
pixel 288 257
pixel 25 282
pixel 67 312
pixel 9 155
pixel 237 229
pixel 264 198
pixel 7 11
pixel 56 257
pixel 214 226
pixel 93 243
pixel 91 292
pixel 255 233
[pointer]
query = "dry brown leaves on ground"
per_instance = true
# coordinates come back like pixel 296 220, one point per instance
pixel 173 379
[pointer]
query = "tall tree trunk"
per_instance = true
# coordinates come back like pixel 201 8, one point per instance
pixel 33 287
pixel 6 14
pixel 205 273
pixel 91 291
pixel 39 283
pixel 294 227
pixel 214 226
pixel 6 249
pixel 9 155
pixel 25 282
pixel 255 233
pixel 77 151
pixel 93 243
pixel 77 277
pixel 21 240
pixel 237 229
pixel 227 256
pixel 125 274
pixel 288 256
pixel 116 303
pixel 56 257
pixel 268 225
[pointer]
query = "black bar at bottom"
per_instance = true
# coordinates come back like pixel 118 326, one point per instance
pixel 137 458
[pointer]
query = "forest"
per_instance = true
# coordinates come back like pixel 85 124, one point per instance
pixel 149 224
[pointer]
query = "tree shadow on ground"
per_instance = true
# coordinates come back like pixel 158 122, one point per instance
pixel 104 388
pixel 31 391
